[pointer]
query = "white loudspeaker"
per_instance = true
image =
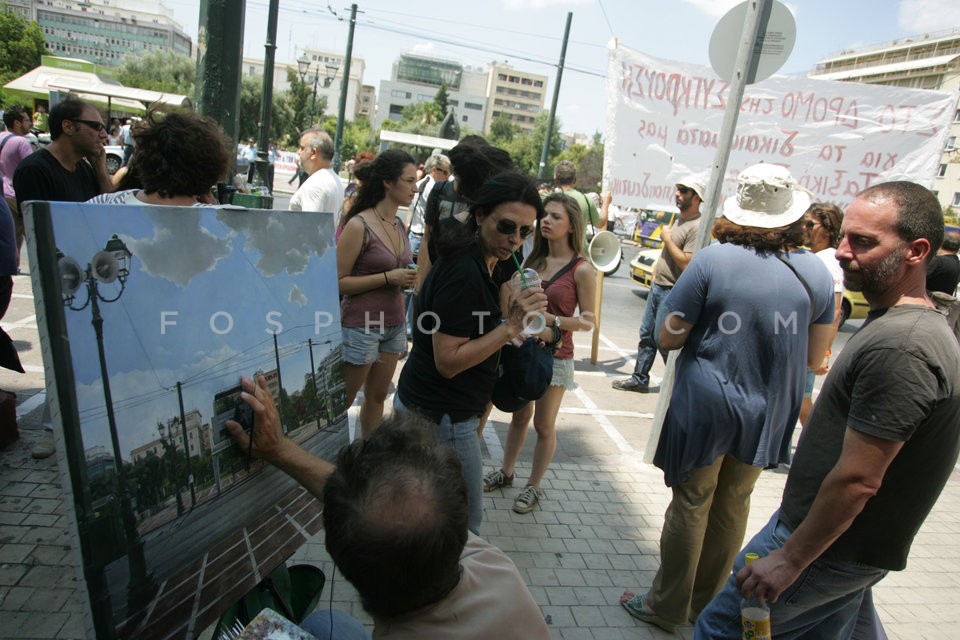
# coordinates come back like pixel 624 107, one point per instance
pixel 105 267
pixel 71 275
pixel 604 251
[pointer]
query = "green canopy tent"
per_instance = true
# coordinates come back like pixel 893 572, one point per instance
pixel 84 80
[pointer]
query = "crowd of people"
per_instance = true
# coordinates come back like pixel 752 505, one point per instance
pixel 404 502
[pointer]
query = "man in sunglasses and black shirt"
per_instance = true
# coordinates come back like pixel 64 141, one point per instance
pixel 678 245
pixel 72 167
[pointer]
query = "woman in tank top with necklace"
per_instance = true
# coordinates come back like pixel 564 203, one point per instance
pixel 372 257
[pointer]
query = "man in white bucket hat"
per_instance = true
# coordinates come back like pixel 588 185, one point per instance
pixel 679 242
pixel 751 312
pixel 880 443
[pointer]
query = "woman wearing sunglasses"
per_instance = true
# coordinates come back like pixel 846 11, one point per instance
pixel 570 284
pixel 459 329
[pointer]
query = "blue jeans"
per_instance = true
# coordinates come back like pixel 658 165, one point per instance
pixel 830 600
pixel 462 436
pixel 653 316
pixel 335 624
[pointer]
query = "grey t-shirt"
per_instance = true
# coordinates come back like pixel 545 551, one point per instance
pixel 898 379
pixel 684 235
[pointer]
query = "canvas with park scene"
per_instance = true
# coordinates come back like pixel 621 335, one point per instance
pixel 149 316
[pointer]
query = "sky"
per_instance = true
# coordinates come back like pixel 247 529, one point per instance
pixel 207 288
pixel 529 33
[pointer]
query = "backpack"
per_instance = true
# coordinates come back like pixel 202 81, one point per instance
pixel 949 306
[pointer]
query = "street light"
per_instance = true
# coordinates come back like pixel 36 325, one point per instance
pixel 109 266
pixel 303 66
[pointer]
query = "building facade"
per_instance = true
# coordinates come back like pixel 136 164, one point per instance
pixel 515 95
pixel 325 72
pixel 415 79
pixel 103 31
pixel 929 61
pixel 199 438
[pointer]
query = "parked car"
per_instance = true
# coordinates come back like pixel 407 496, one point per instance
pixel 114 152
pixel 853 305
pixel 641 267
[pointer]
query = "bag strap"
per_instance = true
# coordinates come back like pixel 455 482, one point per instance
pixel 803 281
pixel 570 265
pixel 4 141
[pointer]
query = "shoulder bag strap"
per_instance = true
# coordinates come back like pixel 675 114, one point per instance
pixel 570 265
pixel 806 285
pixel 4 141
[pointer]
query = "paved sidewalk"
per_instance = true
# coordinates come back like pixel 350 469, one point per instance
pixel 595 534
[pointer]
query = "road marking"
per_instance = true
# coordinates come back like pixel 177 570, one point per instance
pixel 28 322
pixel 604 423
pixel 32 368
pixel 25 296
pixel 31 403
pixel 614 413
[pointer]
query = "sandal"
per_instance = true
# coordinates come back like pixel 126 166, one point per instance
pixel 635 604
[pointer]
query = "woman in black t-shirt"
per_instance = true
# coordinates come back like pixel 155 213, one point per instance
pixel 458 331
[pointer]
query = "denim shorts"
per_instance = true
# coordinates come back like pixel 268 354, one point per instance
pixel 563 374
pixel 364 346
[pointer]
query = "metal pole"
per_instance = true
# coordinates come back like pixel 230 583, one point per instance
pixel 344 87
pixel 313 101
pixel 313 375
pixel 140 589
pixel 219 63
pixel 186 446
pixel 754 24
pixel 266 100
pixel 556 97
pixel 276 357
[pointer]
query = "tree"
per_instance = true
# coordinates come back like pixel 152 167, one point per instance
pixel 159 70
pixel 525 149
pixel 442 99
pixel 21 45
pixel 503 131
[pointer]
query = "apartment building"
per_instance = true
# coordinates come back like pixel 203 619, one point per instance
pixel 323 70
pixel 516 95
pixel 103 31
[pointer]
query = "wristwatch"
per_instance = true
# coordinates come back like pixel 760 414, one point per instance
pixel 556 321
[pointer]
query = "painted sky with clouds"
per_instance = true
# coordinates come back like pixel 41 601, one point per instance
pixel 195 273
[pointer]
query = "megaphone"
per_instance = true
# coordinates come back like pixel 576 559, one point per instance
pixel 604 252
pixel 105 267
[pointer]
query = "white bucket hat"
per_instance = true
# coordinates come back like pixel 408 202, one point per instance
pixel 695 183
pixel 767 197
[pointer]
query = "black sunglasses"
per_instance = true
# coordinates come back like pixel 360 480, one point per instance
pixel 684 190
pixel 93 124
pixel 508 228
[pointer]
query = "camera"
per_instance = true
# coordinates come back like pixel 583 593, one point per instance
pixel 243 415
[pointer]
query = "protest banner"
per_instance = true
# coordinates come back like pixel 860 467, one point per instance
pixel 836 138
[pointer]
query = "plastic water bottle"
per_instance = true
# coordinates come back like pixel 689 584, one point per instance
pixel 755 614
pixel 529 279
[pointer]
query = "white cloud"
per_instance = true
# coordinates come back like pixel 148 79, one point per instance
pixel 297 297
pixel 925 16
pixel 424 49
pixel 180 248
pixel 285 241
